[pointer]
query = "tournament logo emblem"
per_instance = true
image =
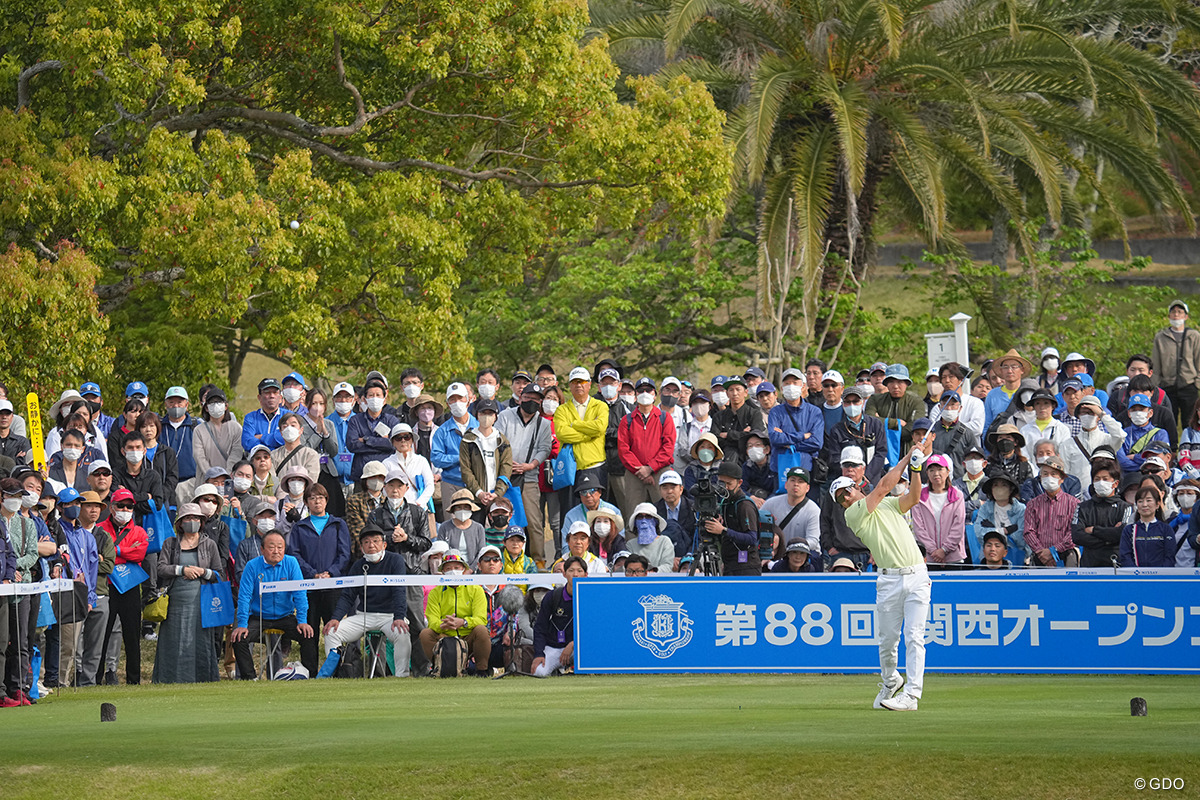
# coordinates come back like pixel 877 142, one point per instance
pixel 664 626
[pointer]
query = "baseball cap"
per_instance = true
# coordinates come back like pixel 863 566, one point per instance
pixel 5 405
pixel 587 483
pixel 533 388
pixel 878 366
pixel 832 375
pixel 579 526
pixel 177 391
pixel 923 424
pixel 670 476
pixel 1071 383
pixel 1177 303
pixel 489 549
pixel 951 395
pixel 515 531
pixel 932 372
pixel 798 472
pixel 852 454
pixel 797 546
pixel 580 374
pixel 521 374
pixel 1090 400
pixel 98 465
pixel 997 535
pixel 487 405
pixel 607 372
pixel 215 472
pixel 268 383
pixel 754 372
pixel 137 387
pixel 396 474
pixel 764 387
pixel 297 377
pixel 645 382
pixel 1140 400
pixel 121 495
pixel 90 387
pixel 376 375
pixel 68 495
pixel 839 483
pixel 937 459
pixel 258 448
pixel 671 380
pixel 456 389
pixel 857 391
pixel 348 388
pixel 792 373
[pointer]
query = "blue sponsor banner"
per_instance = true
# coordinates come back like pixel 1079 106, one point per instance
pixel 1005 621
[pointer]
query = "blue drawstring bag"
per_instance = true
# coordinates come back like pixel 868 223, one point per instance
pixel 237 531
pixel 126 576
pixel 158 527
pixel 216 604
pixel 563 468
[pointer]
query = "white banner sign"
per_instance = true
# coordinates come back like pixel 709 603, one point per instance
pixel 548 580
pixel 21 589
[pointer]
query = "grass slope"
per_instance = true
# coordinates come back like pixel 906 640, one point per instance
pixel 612 736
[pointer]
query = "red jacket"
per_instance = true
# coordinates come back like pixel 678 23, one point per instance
pixel 646 441
pixel 132 549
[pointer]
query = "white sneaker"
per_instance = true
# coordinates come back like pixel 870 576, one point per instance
pixel 887 691
pixel 902 702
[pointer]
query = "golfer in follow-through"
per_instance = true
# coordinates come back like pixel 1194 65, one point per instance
pixel 902 589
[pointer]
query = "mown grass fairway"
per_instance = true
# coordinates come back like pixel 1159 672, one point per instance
pixel 629 737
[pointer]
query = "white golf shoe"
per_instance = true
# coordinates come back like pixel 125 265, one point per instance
pixel 901 702
pixel 887 691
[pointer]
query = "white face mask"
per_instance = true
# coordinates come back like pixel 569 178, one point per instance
pixel 1088 422
pixel 241 484
pixel 29 499
pixel 951 414
pixel 700 410
pixel 373 558
pixel 1042 460
pixel 868 388
pixel 291 395
pixel 1050 364
pixel 974 466
pixel 935 389
pixel 487 391
pixel 290 434
pixel 375 484
pixel 296 487
pixel 265 525
pixel 899 490
pixel 1001 492
pixel 550 405
pixel 853 410
pixel 344 409
pixel 629 399
pixel 395 502
pixel 645 399
pixel 12 504
pixel 122 516
pixel 217 410
pixel 609 392
pixel 720 398
pixel 1103 488
pixel 706 455
pixel 458 410
pixel 375 404
pixel 1050 483
pixel 1139 418
pixel 135 456
pixel 756 454
pixel 603 528
pixel 1186 500
pixel 1178 323
pixel 412 390
pixel 71 453
pixel 463 514
pixel 207 507
pixel 792 392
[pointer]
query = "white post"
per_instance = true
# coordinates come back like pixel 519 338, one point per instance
pixel 961 352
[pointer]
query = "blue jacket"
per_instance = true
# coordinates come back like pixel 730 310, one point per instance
pixel 104 422
pixel 256 423
pixel 84 556
pixel 1132 462
pixel 343 464
pixel 365 443
pixel 996 403
pixel 444 450
pixel 327 551
pixel 275 605
pixel 1150 545
pixel 792 423
pixel 379 599
pixel 180 440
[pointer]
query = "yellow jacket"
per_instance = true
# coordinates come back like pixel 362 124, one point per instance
pixel 585 435
pixel 466 601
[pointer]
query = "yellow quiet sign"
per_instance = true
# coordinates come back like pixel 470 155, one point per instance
pixel 33 421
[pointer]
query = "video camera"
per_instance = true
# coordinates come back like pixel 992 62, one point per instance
pixel 708 495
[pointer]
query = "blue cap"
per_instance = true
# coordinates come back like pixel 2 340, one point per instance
pixel 295 376
pixel 923 424
pixel 951 395
pixel 1140 400
pixel 718 380
pixel 514 530
pixel 137 387
pixel 1084 379
pixel 90 388
pixel 754 372
pixel 1071 383
pixel 897 372
pixel 68 495
pixel 645 382
pixel 765 386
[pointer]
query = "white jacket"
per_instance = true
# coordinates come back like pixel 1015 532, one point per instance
pixel 413 466
pixel 1108 433
pixel 1056 432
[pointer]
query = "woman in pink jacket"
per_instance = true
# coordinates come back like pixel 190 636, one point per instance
pixel 939 518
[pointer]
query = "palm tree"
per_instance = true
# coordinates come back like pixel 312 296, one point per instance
pixel 839 106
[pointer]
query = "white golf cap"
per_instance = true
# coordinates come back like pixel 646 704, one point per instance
pixel 396 474
pixel 456 389
pixel 348 388
pixel 932 372
pixel 98 465
pixel 671 380
pixel 793 373
pixel 579 526
pixel 205 489
pixel 838 484
pixel 833 375
pixel 670 476
pixel 852 454
pixel 399 428
pixel 177 391
pixel 373 469
pixel 5 405
pixel 579 374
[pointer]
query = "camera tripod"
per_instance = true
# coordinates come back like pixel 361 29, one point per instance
pixel 706 559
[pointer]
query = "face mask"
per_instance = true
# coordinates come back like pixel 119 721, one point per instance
pixel 373 558
pixel 792 392
pixel 853 410
pixel 413 390
pixel 669 401
pixel 645 399
pixel 756 454
pixel 177 412
pixel 290 434
pixel 550 405
pixel 375 404
pixel 135 456
pixel 12 504
pixel 425 415
pixel 395 502
pixel 1178 323
pixel 122 516
pixel 375 484
pixel 647 530
pixel 291 395
pixel 343 409
pixel 1103 488
pixel 705 455
pixel 1139 418
pixel 72 453
pixel 951 414
pixel 530 406
pixel 603 528
pixel 899 490
pixel 190 526
pixel 1001 492
pixel 1041 460
pixel 974 466
pixel 296 487
pixel 608 392
pixel 29 500
pixel 241 484
pixel 700 410
pixel 1088 422
pixel 498 521
pixel 1050 483
pixel 458 410
pixel 487 391
pixel 216 410
pixel 1186 500
pixel 629 399
pixel 207 507
pixel 1006 446
pixel 71 512
pixel 266 524
pixel 462 515
pixel 1050 364
pixel 720 398
pixel 935 389
pixel 868 388
pixel 93 407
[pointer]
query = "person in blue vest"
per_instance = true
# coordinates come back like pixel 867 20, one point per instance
pixel 261 425
pixel 446 443
pixel 178 435
pixel 339 418
pixel 1141 432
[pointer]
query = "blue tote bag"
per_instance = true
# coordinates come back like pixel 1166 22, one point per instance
pixel 216 604
pixel 126 576
pixel 158 527
pixel 513 495
pixel 563 468
pixel 894 452
pixel 788 458
pixel 237 531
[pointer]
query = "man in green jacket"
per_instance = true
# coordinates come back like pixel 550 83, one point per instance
pixel 895 406
pixel 458 611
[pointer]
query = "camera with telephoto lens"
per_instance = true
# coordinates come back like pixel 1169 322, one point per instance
pixel 707 497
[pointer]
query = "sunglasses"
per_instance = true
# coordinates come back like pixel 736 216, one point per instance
pixel 487 559
pixel 126 506
pixel 102 473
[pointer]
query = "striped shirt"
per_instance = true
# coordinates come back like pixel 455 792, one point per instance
pixel 1048 521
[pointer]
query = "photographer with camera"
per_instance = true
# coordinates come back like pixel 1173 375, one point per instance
pixel 727 521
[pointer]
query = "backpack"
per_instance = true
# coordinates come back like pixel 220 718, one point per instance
pixel 351 664
pixel 450 657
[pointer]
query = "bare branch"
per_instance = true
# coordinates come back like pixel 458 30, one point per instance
pixel 27 75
